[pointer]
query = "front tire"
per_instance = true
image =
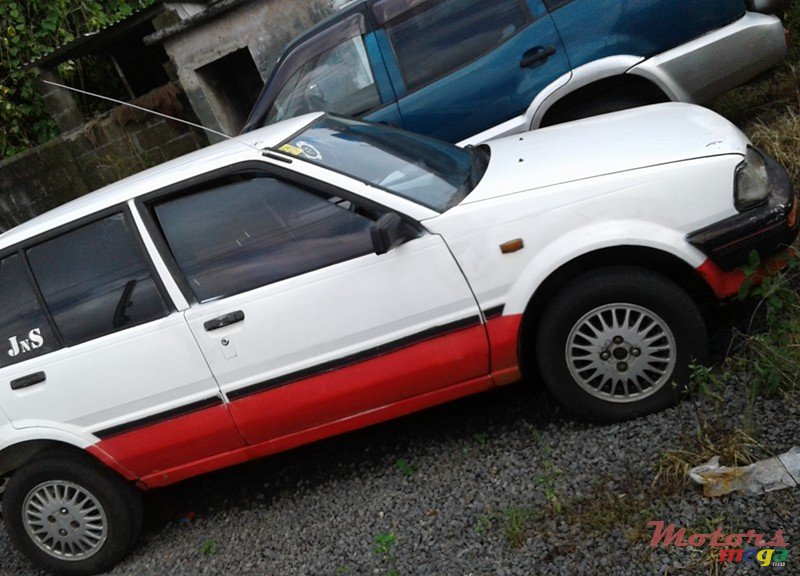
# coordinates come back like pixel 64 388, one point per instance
pixel 70 515
pixel 617 343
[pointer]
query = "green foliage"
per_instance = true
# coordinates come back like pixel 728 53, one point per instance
pixel 208 548
pixel 29 29
pixel 514 522
pixel 384 543
pixel 384 548
pixel 406 467
pixel 773 355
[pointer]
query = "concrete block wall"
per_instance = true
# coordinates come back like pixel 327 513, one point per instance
pixel 100 153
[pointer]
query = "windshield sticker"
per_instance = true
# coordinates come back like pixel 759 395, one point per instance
pixel 309 151
pixel 293 150
pixel 34 341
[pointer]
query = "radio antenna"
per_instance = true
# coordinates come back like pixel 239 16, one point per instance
pixel 134 106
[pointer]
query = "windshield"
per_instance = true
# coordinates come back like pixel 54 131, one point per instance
pixel 432 173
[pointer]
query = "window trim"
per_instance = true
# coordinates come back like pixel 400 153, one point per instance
pixel 530 19
pixel 145 206
pixel 370 67
pixel 22 247
pixel 296 57
pixel 553 5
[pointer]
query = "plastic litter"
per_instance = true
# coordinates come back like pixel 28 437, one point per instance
pixel 778 473
pixel 186 518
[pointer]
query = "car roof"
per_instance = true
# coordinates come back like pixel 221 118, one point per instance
pixel 233 150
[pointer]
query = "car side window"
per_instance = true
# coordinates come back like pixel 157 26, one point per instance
pixel 95 280
pixel 241 235
pixel 338 80
pixel 440 36
pixel 24 329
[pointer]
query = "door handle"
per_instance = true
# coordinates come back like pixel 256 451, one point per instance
pixel 536 56
pixel 224 320
pixel 28 380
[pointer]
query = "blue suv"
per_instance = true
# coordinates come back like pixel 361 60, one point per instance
pixel 471 70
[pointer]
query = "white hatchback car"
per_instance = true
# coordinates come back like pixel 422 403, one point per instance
pixel 325 274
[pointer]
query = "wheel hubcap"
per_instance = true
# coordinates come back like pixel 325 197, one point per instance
pixel 65 520
pixel 621 353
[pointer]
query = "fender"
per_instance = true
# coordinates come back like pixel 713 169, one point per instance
pixel 591 238
pixel 14 436
pixel 581 77
pixel 718 61
pixel 556 90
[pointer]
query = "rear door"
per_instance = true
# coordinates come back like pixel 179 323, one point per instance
pixel 462 66
pixel 92 344
pixel 301 322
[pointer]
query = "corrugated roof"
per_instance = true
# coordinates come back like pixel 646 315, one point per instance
pixel 215 7
pixel 95 42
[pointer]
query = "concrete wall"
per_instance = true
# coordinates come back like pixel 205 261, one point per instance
pixel 264 27
pixel 107 149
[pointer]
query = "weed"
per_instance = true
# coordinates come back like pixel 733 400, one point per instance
pixel 384 549
pixel 603 511
pixel 406 467
pixel 548 481
pixel 342 570
pixel 734 447
pixel 481 439
pixel 208 548
pixel 484 524
pixel 514 522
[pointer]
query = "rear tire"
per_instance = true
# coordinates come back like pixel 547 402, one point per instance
pixel 617 343
pixel 70 515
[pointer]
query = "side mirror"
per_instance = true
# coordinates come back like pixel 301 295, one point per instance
pixel 387 233
pixel 315 97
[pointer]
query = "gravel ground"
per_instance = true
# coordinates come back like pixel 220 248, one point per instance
pixel 500 484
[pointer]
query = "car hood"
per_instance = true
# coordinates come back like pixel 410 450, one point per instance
pixel 618 142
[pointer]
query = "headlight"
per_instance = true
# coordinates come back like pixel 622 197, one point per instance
pixel 752 181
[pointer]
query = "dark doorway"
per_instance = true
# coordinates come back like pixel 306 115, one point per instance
pixel 233 83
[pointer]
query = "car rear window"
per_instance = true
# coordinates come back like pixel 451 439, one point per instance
pixel 440 36
pixel 95 280
pixel 24 328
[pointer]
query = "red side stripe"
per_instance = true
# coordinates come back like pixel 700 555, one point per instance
pixel 420 368
pixel 400 382
pixel 395 410
pixel 174 442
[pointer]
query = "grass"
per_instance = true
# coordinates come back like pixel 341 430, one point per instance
pixel 769 110
pixel 602 512
pixel 766 357
pixel 384 550
pixel 405 467
pixel 208 548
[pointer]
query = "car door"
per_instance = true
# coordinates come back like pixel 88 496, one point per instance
pixel 301 322
pixel 461 66
pixel 94 347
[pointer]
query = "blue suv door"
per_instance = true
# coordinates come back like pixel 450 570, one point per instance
pixel 460 67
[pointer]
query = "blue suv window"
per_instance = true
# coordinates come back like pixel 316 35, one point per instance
pixel 439 36
pixel 338 80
